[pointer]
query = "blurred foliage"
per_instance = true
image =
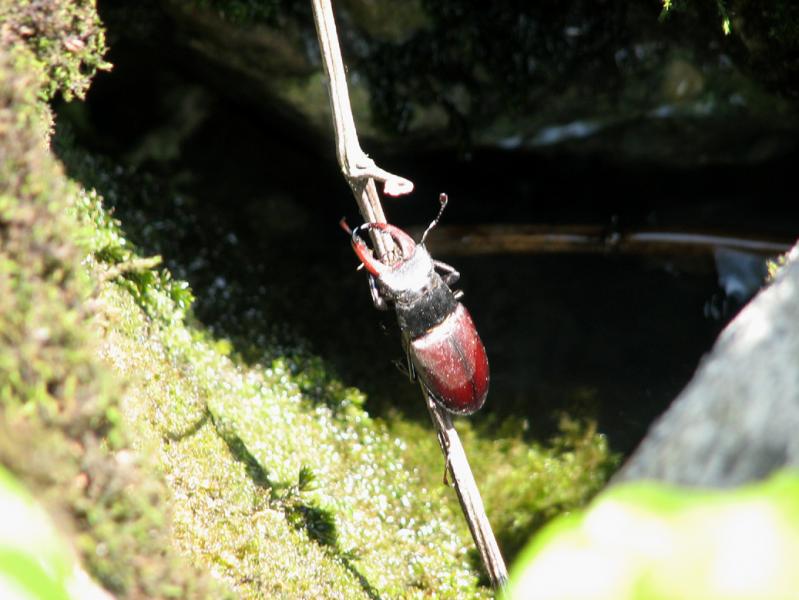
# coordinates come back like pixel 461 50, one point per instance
pixel 34 560
pixel 647 540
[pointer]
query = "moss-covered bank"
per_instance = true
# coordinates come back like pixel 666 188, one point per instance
pixel 61 427
pixel 174 469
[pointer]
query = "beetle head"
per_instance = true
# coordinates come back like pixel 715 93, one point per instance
pixel 375 266
pixel 409 274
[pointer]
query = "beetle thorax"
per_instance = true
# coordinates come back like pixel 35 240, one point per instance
pixel 409 278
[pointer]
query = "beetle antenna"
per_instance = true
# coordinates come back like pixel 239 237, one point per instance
pixel 343 224
pixel 443 199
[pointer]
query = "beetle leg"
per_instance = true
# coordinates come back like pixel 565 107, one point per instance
pixel 378 300
pixel 448 272
pixel 411 370
pixel 446 471
pixel 406 367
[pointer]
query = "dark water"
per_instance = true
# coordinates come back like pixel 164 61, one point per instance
pixel 251 210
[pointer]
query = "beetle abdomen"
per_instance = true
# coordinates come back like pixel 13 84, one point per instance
pixel 451 362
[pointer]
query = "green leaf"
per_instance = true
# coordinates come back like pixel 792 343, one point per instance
pixel 649 541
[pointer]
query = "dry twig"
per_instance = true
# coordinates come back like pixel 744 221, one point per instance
pixel 360 171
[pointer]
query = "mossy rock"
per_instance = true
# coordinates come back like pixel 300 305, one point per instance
pixel 554 78
pixel 61 427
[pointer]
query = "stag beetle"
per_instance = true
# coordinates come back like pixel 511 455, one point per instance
pixel 439 337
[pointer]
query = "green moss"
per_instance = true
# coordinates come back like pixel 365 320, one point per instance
pixel 775 266
pixel 245 450
pixel 62 429
pixel 523 484
pixel 65 38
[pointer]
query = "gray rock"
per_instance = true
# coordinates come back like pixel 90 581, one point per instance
pixel 738 419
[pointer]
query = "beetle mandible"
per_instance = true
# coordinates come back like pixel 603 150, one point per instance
pixel 443 347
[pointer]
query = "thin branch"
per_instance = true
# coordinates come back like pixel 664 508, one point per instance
pixel 354 162
pixel 468 494
pixel 454 240
pixel 361 172
pixel 135 265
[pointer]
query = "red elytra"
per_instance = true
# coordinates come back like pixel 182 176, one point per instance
pixel 451 362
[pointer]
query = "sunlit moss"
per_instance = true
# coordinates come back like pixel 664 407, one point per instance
pixel 241 447
pixel 523 484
